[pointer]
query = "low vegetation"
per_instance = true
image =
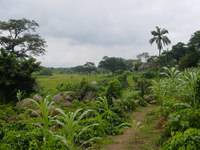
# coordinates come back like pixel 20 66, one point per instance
pixel 49 109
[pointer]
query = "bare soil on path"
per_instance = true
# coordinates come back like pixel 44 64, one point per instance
pixel 147 136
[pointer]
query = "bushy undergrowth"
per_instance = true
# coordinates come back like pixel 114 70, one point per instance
pixel 187 140
pixel 178 94
pixel 81 125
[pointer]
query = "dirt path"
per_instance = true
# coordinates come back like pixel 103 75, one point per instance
pixel 146 137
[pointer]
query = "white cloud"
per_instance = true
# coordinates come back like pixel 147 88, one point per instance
pixel 86 30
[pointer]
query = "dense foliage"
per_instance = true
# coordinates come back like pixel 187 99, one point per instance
pixel 178 95
pixel 16 75
pixel 18 37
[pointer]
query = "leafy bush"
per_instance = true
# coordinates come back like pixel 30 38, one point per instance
pixel 16 75
pixel 112 118
pixel 113 90
pixel 68 87
pixel 78 104
pixel 30 138
pixel 127 102
pixel 189 140
pixel 85 87
pixel 118 109
pixel 142 102
pixel 149 75
pixel 189 60
pixel 123 81
pixel 20 140
pixel 184 119
pixel 82 88
pixel 144 87
pixel 135 79
pixel 94 131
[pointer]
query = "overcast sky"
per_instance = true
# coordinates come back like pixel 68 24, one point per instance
pixel 77 31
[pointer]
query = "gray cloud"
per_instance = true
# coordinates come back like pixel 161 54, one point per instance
pixel 85 30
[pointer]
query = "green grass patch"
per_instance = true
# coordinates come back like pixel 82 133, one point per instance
pixel 51 82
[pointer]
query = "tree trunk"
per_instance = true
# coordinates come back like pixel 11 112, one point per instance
pixel 159 52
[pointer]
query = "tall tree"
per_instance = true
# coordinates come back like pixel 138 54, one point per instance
pixel 112 64
pixel 89 67
pixel 195 41
pixel 19 37
pixel 143 56
pixel 160 38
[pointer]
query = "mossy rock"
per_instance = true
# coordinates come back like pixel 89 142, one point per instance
pixel 37 97
pixel 27 102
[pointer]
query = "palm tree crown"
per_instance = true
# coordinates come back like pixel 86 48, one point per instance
pixel 160 38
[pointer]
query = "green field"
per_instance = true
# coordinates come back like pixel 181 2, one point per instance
pixel 51 82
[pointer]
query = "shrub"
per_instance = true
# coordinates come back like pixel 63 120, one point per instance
pixel 189 60
pixel 112 122
pixel 149 75
pixel 118 109
pixel 127 102
pixel 85 87
pixel 142 102
pixel 144 87
pixel 68 87
pixel 28 138
pixel 189 140
pixel 94 131
pixel 16 75
pixel 123 81
pixel 113 90
pixel 182 120
pixel 135 79
pixel 112 118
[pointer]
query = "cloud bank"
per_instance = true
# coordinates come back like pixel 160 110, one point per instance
pixel 86 30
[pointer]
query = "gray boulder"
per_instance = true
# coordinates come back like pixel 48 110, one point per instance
pixel 64 96
pixel 35 113
pixel 66 103
pixel 69 95
pixel 37 97
pixel 89 96
pixel 58 97
pixel 94 82
pixel 27 102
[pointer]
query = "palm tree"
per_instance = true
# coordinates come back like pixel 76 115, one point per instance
pixel 160 38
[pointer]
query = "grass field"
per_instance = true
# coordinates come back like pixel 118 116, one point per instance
pixel 51 82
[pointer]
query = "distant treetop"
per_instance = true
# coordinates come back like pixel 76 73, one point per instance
pixel 19 37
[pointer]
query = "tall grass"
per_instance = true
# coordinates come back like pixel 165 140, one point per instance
pixel 177 85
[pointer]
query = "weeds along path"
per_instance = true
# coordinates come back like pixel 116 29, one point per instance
pixel 147 135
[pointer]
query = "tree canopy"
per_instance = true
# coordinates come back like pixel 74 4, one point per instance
pixel 160 38
pixel 195 40
pixel 112 64
pixel 19 37
pixel 89 67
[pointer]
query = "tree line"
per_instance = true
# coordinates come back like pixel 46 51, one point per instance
pixel 20 42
